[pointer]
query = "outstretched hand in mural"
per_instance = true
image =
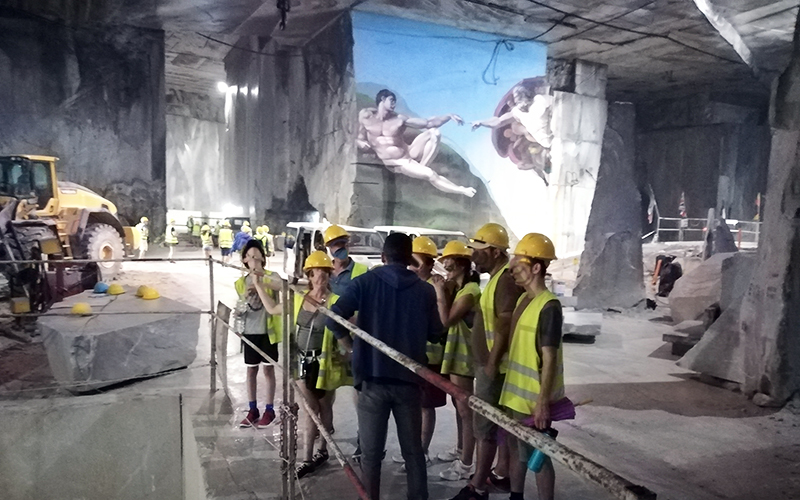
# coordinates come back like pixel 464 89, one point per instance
pixel 522 128
pixel 381 130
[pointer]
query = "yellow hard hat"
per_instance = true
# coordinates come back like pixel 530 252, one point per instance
pixel 226 223
pixel 536 246
pixel 490 235
pixel 456 248
pixel 425 246
pixel 150 294
pixel 172 221
pixel 318 259
pixel 247 229
pixel 205 227
pixel 246 223
pixel 144 219
pixel 140 290
pixel 115 289
pixel 266 228
pixel 81 309
pixel 334 232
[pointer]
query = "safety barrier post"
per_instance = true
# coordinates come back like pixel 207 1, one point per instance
pixel 288 410
pixel 213 326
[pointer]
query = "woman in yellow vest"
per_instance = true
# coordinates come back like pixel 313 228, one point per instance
pixel 205 240
pixel 225 240
pixel 320 366
pixel 535 376
pixel 458 361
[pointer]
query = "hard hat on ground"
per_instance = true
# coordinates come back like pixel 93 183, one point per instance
pixel 425 246
pixel 334 232
pixel 81 309
pixel 144 219
pixel 101 287
pixel 115 289
pixel 490 235
pixel 456 248
pixel 536 246
pixel 140 290
pixel 226 223
pixel 150 293
pixel 318 259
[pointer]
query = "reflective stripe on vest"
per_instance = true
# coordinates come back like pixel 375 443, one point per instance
pixel 274 322
pixel 458 348
pixel 489 316
pixel 522 385
pixel 169 236
pixel 225 237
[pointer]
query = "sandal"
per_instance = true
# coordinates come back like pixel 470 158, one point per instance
pixel 319 458
pixel 305 468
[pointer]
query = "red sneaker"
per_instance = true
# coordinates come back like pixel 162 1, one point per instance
pixel 251 418
pixel 267 418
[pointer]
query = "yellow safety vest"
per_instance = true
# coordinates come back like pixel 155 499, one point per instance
pixel 225 237
pixel 169 237
pixel 522 387
pixel 489 315
pixel 196 229
pixel 334 371
pixel 358 269
pixel 205 236
pixel 458 348
pixel 274 322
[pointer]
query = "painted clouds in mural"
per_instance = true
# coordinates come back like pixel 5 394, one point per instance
pixel 415 82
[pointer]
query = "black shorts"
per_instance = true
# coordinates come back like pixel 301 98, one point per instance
pixel 432 396
pixel 225 251
pixel 310 376
pixel 253 358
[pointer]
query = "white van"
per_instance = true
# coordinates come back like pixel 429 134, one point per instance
pixel 366 245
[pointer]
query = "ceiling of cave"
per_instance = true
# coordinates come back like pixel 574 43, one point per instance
pixel 653 48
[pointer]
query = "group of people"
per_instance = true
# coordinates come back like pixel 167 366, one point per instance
pixel 502 343
pixel 220 235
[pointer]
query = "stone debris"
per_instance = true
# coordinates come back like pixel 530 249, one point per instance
pixel 582 323
pixel 90 352
pixel 698 289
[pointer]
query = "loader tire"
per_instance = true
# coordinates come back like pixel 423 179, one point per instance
pixel 102 242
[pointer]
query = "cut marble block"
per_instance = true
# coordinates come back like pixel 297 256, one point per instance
pixel 582 323
pixel 90 352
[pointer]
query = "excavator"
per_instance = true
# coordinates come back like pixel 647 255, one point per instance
pixel 43 216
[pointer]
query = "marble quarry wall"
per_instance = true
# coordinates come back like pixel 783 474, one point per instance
pixel 290 115
pixel 95 99
pixel 714 152
pixel 195 134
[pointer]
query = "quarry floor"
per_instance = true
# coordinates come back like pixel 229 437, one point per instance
pixel 649 421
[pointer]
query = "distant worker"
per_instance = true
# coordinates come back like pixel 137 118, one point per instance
pixel 196 233
pixel 497 303
pixel 241 238
pixel 269 243
pixel 260 328
pixel 190 223
pixel 424 253
pixel 215 234
pixel 225 240
pixel 205 240
pixel 458 362
pixel 535 377
pixel 144 232
pixel 345 269
pixel 171 238
pixel 395 306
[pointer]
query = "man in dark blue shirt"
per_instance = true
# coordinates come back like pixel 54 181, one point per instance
pixel 398 308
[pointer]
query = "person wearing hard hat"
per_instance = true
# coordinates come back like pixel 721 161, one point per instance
pixel 242 237
pixel 196 232
pixel 205 240
pixel 269 244
pixel 457 361
pixel 535 377
pixel 171 238
pixel 492 323
pixel 144 232
pixel 345 269
pixel 260 328
pixel 424 253
pixel 322 368
pixel 225 240
pixel 215 234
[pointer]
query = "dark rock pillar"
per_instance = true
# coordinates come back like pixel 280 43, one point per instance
pixel 770 318
pixel 610 272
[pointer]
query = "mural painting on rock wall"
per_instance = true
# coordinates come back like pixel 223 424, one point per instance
pixel 453 126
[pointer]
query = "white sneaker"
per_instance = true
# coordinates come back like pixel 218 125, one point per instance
pixel 449 455
pixel 428 463
pixel 457 471
pixel 398 459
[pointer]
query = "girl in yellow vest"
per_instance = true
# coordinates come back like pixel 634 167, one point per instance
pixel 458 361
pixel 260 328
pixel 535 376
pixel 321 368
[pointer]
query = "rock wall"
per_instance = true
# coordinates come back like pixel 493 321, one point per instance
pixel 94 97
pixel 290 116
pixel 715 152
pixel 610 273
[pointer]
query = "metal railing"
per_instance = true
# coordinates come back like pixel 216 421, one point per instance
pixel 683 229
